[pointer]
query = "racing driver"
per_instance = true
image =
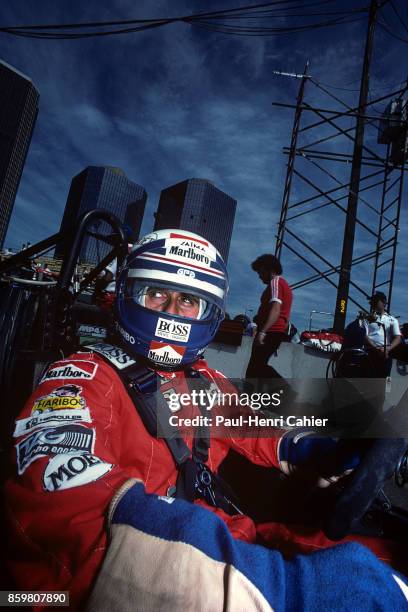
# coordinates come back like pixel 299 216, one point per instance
pixel 99 505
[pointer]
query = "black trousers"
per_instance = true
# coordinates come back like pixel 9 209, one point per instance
pixel 378 365
pixel 258 363
pixel 400 353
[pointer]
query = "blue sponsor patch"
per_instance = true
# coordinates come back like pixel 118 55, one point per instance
pixel 54 441
pixel 54 418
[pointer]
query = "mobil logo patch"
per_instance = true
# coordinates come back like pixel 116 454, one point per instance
pixel 73 470
pixel 53 441
pixel 51 419
pixel 166 354
pixel 173 330
pixel 71 370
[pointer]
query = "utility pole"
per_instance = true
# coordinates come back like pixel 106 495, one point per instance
pixel 351 215
pixel 291 159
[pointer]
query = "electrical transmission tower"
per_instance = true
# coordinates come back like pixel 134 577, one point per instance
pixel 340 161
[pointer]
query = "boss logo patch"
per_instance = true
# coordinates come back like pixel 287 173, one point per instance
pixel 116 355
pixel 173 330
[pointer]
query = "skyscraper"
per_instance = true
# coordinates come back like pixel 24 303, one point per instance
pixel 198 206
pixel 102 187
pixel 18 113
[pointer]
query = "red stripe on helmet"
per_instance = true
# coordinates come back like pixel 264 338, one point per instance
pixel 181 263
pixel 189 238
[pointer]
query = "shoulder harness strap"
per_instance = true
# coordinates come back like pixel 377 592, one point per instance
pixel 195 479
pixel 142 385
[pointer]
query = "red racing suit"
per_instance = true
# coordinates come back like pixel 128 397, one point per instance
pixel 78 439
pixel 57 504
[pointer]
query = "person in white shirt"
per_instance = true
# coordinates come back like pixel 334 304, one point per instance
pixel 382 335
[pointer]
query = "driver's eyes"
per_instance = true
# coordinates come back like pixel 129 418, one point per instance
pixel 157 294
pixel 160 299
pixel 188 300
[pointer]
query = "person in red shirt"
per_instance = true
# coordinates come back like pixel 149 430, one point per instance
pixel 272 317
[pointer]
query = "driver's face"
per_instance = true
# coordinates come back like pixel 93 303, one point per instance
pixel 173 302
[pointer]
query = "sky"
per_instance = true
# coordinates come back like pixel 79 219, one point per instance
pixel 180 102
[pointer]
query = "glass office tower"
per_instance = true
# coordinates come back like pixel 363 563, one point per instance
pixel 103 187
pixel 198 206
pixel 18 114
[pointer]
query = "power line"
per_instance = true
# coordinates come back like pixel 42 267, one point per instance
pixel 214 21
pixel 247 12
pixel 386 25
pixel 385 28
pixel 388 87
pixel 335 86
pixel 274 31
pixel 275 15
pixel 227 13
pixel 372 89
pixel 398 15
pixel 377 110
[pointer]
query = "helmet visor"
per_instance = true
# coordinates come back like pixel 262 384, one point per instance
pixel 181 303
